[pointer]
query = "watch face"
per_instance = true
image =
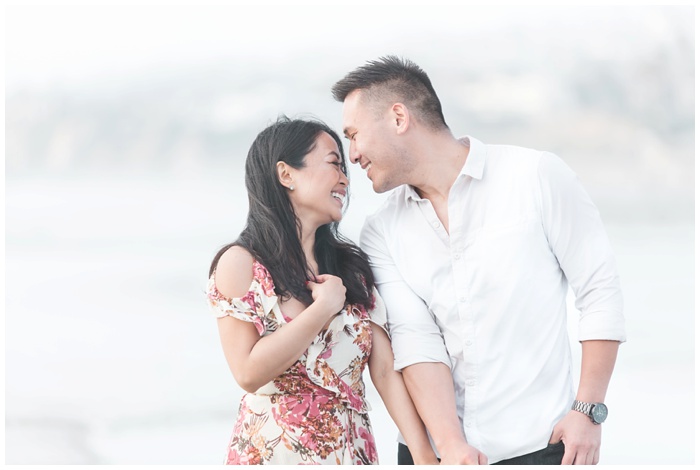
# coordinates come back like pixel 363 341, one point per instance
pixel 599 412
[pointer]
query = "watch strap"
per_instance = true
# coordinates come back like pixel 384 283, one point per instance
pixel 583 407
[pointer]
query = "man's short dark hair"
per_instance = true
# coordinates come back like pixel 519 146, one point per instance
pixel 395 78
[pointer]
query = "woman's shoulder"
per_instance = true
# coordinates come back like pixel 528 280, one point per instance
pixel 234 272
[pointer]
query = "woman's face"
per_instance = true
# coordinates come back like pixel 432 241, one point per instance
pixel 320 187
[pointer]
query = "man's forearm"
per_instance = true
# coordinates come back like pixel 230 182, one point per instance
pixel 580 435
pixel 432 390
pixel 597 364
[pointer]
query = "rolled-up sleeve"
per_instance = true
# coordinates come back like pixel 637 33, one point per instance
pixel 577 238
pixel 415 336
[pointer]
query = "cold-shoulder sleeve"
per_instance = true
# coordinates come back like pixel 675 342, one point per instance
pixel 254 307
pixel 377 312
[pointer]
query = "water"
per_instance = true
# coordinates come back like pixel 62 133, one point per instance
pixel 113 358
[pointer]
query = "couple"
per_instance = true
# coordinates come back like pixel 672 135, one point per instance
pixel 465 334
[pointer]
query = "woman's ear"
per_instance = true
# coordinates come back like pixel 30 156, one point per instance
pixel 284 176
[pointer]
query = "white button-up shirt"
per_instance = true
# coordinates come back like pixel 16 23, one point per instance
pixel 489 298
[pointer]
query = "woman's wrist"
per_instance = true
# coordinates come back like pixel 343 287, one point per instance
pixel 425 458
pixel 423 454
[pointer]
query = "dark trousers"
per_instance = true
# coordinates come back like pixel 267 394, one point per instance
pixel 550 455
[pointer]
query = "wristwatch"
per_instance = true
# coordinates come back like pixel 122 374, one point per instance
pixel 596 411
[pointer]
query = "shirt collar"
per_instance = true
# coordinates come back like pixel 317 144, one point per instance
pixel 473 166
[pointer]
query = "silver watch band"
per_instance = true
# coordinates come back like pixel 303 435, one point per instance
pixel 582 407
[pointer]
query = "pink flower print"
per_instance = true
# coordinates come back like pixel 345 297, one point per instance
pixel 348 394
pixel 312 417
pixel 213 296
pixel 297 410
pixel 233 458
pixel 262 275
pixel 328 352
pixel 308 440
pixel 370 446
pixel 289 408
pixel 249 299
pixel 251 456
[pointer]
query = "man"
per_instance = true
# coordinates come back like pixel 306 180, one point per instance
pixel 472 253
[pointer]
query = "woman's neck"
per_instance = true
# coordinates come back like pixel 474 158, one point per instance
pixel 308 242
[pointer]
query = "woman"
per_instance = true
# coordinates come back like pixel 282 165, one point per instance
pixel 298 315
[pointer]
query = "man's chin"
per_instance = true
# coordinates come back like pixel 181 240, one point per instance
pixel 380 188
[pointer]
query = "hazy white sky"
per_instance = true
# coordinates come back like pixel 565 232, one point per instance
pixel 59 44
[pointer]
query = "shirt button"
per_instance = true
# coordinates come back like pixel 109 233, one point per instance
pixel 457 256
pixel 462 299
pixel 468 342
pixel 471 383
pixel 468 424
pixel 436 224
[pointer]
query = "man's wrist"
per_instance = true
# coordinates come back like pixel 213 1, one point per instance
pixel 596 412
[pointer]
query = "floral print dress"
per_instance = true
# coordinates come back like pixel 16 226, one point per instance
pixel 315 412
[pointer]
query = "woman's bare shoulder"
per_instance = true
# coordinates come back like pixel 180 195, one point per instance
pixel 234 272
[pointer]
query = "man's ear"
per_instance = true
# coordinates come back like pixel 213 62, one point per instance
pixel 401 117
pixel 283 175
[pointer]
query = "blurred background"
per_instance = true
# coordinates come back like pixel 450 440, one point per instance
pixel 126 129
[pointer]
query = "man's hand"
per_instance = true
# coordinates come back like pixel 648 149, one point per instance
pixel 581 439
pixel 461 453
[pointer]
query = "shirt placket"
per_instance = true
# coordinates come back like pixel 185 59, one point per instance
pixel 431 216
pixel 458 245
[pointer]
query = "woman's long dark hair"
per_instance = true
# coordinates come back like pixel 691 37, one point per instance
pixel 272 229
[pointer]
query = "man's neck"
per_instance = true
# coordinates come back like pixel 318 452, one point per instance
pixel 442 159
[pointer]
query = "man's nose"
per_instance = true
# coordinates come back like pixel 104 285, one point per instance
pixel 354 155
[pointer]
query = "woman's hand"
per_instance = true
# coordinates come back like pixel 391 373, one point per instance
pixel 328 292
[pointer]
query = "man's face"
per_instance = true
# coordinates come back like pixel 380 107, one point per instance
pixel 373 142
